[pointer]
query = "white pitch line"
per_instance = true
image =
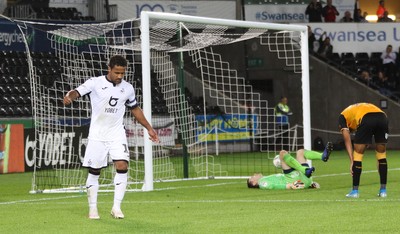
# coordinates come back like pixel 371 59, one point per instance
pixel 348 173
pixel 38 201
pixel 220 201
pixel 197 186
pixel 265 201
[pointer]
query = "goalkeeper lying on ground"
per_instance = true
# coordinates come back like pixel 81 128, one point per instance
pixel 296 171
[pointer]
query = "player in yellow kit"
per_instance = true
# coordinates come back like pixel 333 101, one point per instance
pixel 366 120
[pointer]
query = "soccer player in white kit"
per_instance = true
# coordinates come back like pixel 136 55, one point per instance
pixel 109 96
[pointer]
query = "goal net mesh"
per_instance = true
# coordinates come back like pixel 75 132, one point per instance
pixel 211 120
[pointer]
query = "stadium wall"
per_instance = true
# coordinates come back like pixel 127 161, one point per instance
pixel 332 91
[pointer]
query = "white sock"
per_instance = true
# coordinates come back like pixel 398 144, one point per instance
pixel 92 186
pixel 120 182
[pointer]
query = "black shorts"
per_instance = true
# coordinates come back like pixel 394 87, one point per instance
pixel 372 124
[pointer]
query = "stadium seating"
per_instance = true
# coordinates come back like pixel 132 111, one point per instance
pixel 15 99
pixel 39 9
pixel 15 87
pixel 354 64
pixel 362 61
pixel 335 59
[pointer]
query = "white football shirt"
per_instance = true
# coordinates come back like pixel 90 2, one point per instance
pixel 108 102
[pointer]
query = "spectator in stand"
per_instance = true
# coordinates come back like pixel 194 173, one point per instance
pixel 385 18
pixel 357 16
pixel 398 59
pixel 282 113
pixel 311 41
pixel 381 9
pixel 365 78
pixel 314 11
pixel 389 63
pixel 364 17
pixel 325 48
pixel 384 86
pixel 329 12
pixel 346 18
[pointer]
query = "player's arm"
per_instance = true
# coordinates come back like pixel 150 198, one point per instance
pixel 70 97
pixel 349 147
pixel 82 90
pixel 139 116
pixel 347 140
pixel 345 131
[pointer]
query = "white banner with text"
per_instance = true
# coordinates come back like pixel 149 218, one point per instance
pixel 290 13
pixel 215 9
pixel 359 37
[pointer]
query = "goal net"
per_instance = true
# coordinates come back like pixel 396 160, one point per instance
pixel 192 77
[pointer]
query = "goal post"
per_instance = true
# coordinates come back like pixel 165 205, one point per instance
pixel 146 66
pixel 217 118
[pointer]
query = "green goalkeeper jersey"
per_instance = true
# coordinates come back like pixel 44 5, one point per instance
pixel 279 181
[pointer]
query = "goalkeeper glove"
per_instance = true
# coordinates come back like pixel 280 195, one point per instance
pixel 297 185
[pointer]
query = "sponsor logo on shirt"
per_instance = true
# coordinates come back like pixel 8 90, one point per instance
pixel 112 102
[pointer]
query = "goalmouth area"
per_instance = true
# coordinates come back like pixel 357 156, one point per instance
pixel 212 121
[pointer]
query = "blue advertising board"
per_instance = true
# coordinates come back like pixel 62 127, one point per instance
pixel 235 127
pixel 12 37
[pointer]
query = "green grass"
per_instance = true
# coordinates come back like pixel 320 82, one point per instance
pixel 215 206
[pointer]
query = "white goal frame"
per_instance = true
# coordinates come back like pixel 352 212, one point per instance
pixel 191 150
pixel 145 46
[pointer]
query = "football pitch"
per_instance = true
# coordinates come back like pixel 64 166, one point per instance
pixel 215 205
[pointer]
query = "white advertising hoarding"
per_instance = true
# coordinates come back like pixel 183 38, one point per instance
pixel 164 127
pixel 278 13
pixel 359 37
pixel 290 13
pixel 215 9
